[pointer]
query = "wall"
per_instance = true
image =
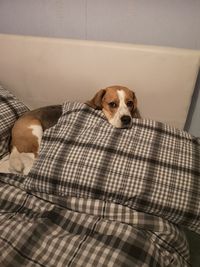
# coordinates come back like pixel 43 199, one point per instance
pixel 155 22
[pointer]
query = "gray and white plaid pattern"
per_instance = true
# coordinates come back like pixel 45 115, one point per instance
pixel 4 145
pixel 11 108
pixel 153 168
pixel 47 230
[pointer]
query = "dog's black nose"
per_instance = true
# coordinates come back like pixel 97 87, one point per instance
pixel 126 120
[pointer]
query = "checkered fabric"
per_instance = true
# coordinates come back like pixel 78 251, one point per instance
pixel 4 145
pixel 153 168
pixel 11 108
pixel 39 229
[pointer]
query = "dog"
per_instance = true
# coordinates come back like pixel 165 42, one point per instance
pixel 118 103
pixel 26 136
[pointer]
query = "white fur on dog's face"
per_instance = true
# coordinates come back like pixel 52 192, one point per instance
pixel 118 103
pixel 121 110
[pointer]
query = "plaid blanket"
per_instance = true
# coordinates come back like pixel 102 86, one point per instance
pixel 38 229
pixel 100 196
pixel 10 110
pixel 152 167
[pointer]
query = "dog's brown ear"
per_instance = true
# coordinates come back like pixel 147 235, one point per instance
pixel 96 101
pixel 135 112
pixel 134 100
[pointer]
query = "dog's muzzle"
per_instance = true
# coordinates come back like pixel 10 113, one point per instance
pixel 126 121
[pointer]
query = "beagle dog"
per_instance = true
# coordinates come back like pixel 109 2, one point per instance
pixel 118 103
pixel 26 136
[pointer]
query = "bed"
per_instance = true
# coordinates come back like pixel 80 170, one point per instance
pixel 97 195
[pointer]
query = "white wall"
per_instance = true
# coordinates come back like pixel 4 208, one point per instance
pixel 158 22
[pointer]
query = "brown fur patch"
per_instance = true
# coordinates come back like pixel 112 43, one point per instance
pixel 48 116
pixel 22 137
pixel 110 96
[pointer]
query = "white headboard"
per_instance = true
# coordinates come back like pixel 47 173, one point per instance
pixel 43 71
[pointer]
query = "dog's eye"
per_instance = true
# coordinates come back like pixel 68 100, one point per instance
pixel 112 105
pixel 129 104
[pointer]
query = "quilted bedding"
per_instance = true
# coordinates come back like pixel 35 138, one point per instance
pixel 100 196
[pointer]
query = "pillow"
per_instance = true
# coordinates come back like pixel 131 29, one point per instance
pixel 152 167
pixel 10 110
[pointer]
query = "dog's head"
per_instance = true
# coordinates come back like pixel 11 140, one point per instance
pixel 118 103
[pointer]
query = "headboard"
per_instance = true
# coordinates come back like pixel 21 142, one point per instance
pixel 43 71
